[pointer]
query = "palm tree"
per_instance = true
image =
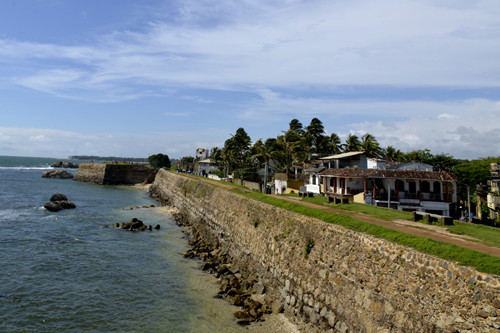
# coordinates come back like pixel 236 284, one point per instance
pixel 314 136
pixel 352 143
pixel 292 145
pixel 296 126
pixel 237 149
pixel 393 154
pixel 335 145
pixel 216 156
pixel 370 145
pixel 262 154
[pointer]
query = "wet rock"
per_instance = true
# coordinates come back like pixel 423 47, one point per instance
pixel 57 174
pixel 58 197
pixel 58 202
pixel 242 315
pixel 133 225
pixel 67 165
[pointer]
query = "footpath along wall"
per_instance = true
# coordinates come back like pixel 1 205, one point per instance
pixel 113 174
pixel 349 281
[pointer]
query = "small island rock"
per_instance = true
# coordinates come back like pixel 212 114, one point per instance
pixel 58 201
pixel 57 174
pixel 67 165
pixel 133 225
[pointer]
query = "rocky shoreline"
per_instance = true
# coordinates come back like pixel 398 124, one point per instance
pixel 237 285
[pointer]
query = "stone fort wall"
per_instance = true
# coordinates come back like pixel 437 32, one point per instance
pixel 348 281
pixel 113 174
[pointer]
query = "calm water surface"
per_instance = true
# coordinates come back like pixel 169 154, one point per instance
pixel 68 272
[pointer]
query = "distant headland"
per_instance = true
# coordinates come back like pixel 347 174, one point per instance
pixel 107 158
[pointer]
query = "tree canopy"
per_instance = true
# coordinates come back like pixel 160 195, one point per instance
pixel 159 161
pixel 299 144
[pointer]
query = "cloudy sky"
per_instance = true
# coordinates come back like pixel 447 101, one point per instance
pixel 133 78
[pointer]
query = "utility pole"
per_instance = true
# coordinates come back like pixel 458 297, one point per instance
pixel 264 190
pixel 468 204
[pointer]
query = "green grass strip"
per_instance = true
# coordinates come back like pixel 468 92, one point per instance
pixel 482 262
pixel 485 234
pixel 466 257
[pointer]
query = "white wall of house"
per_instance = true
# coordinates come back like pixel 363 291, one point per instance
pixel 313 189
pixel 373 163
pixel 207 167
pixel 280 186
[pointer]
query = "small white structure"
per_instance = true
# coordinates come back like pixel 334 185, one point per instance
pixel 201 154
pixel 207 165
pixel 376 163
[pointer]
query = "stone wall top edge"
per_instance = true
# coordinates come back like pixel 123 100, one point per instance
pixel 441 267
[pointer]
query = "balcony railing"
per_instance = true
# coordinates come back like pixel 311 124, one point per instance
pixel 384 196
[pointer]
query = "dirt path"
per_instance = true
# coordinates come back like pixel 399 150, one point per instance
pixel 413 228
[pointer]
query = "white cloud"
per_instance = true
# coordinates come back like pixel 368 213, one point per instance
pixel 271 44
pixel 54 143
pixel 471 132
pixel 281 51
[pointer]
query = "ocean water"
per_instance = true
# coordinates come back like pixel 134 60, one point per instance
pixel 69 272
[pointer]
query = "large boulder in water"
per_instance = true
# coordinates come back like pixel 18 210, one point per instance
pixel 58 197
pixel 133 225
pixel 58 201
pixel 57 174
pixel 68 165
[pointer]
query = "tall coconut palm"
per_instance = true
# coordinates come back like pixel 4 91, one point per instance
pixel 296 126
pixel 370 145
pixel 262 154
pixel 352 143
pixel 292 145
pixel 335 144
pixel 314 137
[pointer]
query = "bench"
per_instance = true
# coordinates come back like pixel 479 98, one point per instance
pixel 429 218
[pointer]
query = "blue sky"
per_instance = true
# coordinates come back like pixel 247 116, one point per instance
pixel 135 78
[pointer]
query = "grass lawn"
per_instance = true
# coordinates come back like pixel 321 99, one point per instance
pixel 487 235
pixel 482 262
pixel 377 212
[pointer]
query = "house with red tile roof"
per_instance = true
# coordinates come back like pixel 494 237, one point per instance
pixel 351 179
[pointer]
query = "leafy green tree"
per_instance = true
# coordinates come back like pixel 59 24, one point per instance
pixel 445 161
pixel 393 154
pixel 422 155
pixel 186 163
pixel 472 173
pixel 159 161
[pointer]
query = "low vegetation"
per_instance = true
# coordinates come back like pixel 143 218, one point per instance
pixel 484 234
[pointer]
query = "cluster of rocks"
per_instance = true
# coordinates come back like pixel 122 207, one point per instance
pixel 237 285
pixel 58 201
pixel 57 174
pixel 66 165
pixel 140 207
pixel 135 225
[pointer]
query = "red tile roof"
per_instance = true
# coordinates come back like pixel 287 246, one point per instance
pixel 375 173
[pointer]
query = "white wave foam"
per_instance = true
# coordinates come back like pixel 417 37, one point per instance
pixel 25 168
